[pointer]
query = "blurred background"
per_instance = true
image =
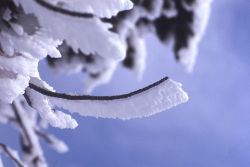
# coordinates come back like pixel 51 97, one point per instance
pixel 211 130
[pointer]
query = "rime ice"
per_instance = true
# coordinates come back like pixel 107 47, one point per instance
pixel 94 37
pixel 160 98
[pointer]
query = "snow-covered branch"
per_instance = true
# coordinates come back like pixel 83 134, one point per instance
pixel 55 143
pixel 12 154
pixel 147 101
pixel 94 98
pixel 63 11
pixel 91 36
pixel 30 143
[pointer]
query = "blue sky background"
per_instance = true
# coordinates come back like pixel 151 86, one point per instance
pixel 211 130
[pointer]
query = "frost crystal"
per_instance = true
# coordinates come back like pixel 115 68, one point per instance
pixel 100 8
pixel 19 56
pixel 150 100
pixel 90 35
pixel 55 118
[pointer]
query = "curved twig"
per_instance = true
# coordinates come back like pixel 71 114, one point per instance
pixel 89 97
pixel 64 11
pixel 43 136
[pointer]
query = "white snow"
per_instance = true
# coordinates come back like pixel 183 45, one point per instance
pixel 54 118
pixel 201 15
pixel 29 126
pixel 157 99
pixel 11 88
pixel 105 76
pixel 57 144
pixel 89 35
pixel 13 153
pixel 1 162
pixel 101 8
pixel 140 55
pixel 19 64
pixel 19 57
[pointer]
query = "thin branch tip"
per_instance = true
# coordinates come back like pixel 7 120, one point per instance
pixel 64 11
pixel 96 98
pixel 10 153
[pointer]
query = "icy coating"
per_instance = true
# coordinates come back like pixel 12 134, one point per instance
pixel 19 56
pixel 55 118
pixel 87 35
pixel 201 15
pixel 101 8
pixel 157 99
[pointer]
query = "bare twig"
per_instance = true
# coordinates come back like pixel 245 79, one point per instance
pixel 44 136
pixel 11 154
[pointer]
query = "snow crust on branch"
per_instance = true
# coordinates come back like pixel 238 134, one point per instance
pixel 201 9
pixel 87 35
pixel 12 85
pixel 41 104
pixel 150 100
pixel 34 157
pixel 182 21
pixel 55 143
pixel 100 8
pixel 55 118
pixel 19 56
